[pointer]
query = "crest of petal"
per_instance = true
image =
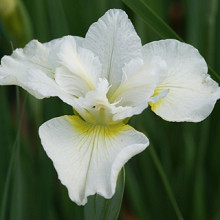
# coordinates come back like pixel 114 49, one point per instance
pixel 89 157
pixel 114 40
pixel 98 109
pixel 188 92
pixel 138 82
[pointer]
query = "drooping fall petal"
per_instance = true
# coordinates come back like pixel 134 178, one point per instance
pixel 192 94
pixel 89 157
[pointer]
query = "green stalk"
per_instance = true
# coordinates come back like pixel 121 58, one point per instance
pixel 15 152
pixel 7 182
pixel 165 182
pixel 199 205
pixel 99 208
pixel 211 37
pixel 211 32
pixel 152 19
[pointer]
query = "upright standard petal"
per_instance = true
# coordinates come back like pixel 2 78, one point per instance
pixel 138 82
pixel 89 157
pixel 114 40
pixel 190 93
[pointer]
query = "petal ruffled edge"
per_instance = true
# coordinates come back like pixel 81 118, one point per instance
pixel 192 93
pixel 114 40
pixel 89 157
pixel 33 68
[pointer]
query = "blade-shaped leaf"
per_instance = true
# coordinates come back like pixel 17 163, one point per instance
pixel 58 23
pixel 152 19
pixel 106 209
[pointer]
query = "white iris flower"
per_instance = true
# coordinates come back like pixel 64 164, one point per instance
pixel 107 77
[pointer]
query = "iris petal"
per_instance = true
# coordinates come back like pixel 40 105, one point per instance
pixel 191 94
pixel 80 69
pixel 33 68
pixel 114 40
pixel 89 157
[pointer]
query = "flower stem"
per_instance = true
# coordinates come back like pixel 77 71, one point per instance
pixel 165 182
pixel 14 157
pixel 211 31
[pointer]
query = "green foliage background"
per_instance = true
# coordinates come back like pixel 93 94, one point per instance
pixel 189 153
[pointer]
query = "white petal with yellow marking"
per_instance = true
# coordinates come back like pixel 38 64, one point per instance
pixel 138 82
pixel 191 93
pixel 89 157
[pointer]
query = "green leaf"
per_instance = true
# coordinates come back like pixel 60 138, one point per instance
pixel 99 208
pixel 57 18
pixel 166 183
pixel 14 169
pixel 152 19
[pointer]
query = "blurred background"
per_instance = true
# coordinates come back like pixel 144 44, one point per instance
pixel 189 153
